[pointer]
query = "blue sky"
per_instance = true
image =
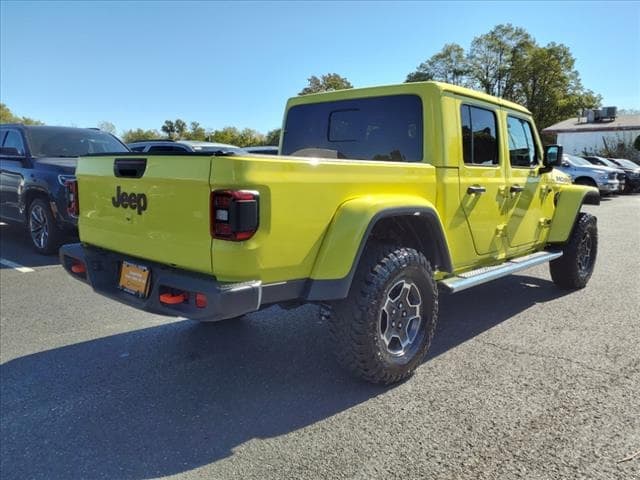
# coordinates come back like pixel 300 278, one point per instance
pixel 136 64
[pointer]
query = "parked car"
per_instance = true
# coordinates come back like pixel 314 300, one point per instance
pixel 603 162
pixel 632 170
pixel 582 172
pixel 181 146
pixel 263 150
pixel 35 163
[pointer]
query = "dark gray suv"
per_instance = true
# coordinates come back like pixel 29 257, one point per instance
pixel 35 164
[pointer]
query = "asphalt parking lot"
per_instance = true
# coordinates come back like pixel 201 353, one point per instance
pixel 522 381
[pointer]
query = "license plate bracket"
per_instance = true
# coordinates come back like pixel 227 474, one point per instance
pixel 134 279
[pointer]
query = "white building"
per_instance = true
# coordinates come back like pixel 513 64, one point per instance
pixel 578 135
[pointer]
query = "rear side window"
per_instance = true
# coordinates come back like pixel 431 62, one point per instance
pixel 479 136
pixel 379 128
pixel 522 148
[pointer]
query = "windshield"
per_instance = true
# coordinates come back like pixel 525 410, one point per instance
pixel 71 142
pixel 579 161
pixel 609 163
pixel 377 128
pixel 627 163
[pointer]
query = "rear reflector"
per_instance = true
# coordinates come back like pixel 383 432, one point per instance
pixel 78 267
pixel 234 214
pixel 201 300
pixel 173 298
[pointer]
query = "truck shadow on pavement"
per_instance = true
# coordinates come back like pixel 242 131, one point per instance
pixel 171 398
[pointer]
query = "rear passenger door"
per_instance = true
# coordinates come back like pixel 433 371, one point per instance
pixel 482 177
pixel 528 193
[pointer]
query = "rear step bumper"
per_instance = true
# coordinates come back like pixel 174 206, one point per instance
pixel 484 275
pixel 102 271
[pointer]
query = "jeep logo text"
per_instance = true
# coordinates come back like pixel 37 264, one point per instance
pixel 130 200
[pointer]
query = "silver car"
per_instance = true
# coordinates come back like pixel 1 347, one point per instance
pixel 582 172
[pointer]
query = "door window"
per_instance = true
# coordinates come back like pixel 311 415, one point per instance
pixel 479 136
pixel 522 148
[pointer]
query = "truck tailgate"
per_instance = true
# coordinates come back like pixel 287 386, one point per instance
pixel 153 207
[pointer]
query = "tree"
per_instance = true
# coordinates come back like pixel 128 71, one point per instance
pixel 272 137
pixel 326 83
pixel 545 81
pixel 491 57
pixel 7 116
pixel 139 134
pixel 226 135
pixel 181 128
pixel 169 128
pixel 196 132
pixel 449 65
pixel 107 127
pixel 176 129
pixel 508 63
pixel 250 137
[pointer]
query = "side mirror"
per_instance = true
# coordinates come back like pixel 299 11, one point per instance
pixel 10 152
pixel 552 157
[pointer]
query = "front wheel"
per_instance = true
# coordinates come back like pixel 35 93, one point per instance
pixel 574 268
pixel 44 233
pixel 383 329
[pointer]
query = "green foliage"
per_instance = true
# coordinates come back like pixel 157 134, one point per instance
pixel 273 137
pixel 326 83
pixel 546 82
pixel 7 116
pixel 139 134
pixel 636 143
pixel 507 62
pixel 175 129
pixel 449 65
pixel 241 138
pixel 492 56
pixel 169 128
pixel 196 132
pixel 226 135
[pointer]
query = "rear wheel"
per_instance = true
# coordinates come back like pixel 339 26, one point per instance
pixel 44 233
pixel 383 329
pixel 574 268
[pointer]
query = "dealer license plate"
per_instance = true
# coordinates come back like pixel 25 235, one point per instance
pixel 134 279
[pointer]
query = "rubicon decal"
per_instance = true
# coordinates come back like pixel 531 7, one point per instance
pixel 134 201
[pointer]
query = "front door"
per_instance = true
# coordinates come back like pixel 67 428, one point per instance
pixel 482 179
pixel 528 193
pixel 11 175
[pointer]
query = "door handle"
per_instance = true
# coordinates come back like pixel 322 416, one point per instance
pixel 516 188
pixel 476 190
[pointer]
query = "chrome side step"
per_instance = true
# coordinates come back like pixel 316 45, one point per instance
pixel 483 275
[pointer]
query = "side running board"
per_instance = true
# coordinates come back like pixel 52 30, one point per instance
pixel 483 275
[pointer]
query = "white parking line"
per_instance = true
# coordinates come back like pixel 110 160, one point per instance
pixel 16 266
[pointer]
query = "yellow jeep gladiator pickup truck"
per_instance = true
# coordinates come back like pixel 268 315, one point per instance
pixel 379 195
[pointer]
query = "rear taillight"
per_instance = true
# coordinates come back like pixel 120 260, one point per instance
pixel 73 206
pixel 234 214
